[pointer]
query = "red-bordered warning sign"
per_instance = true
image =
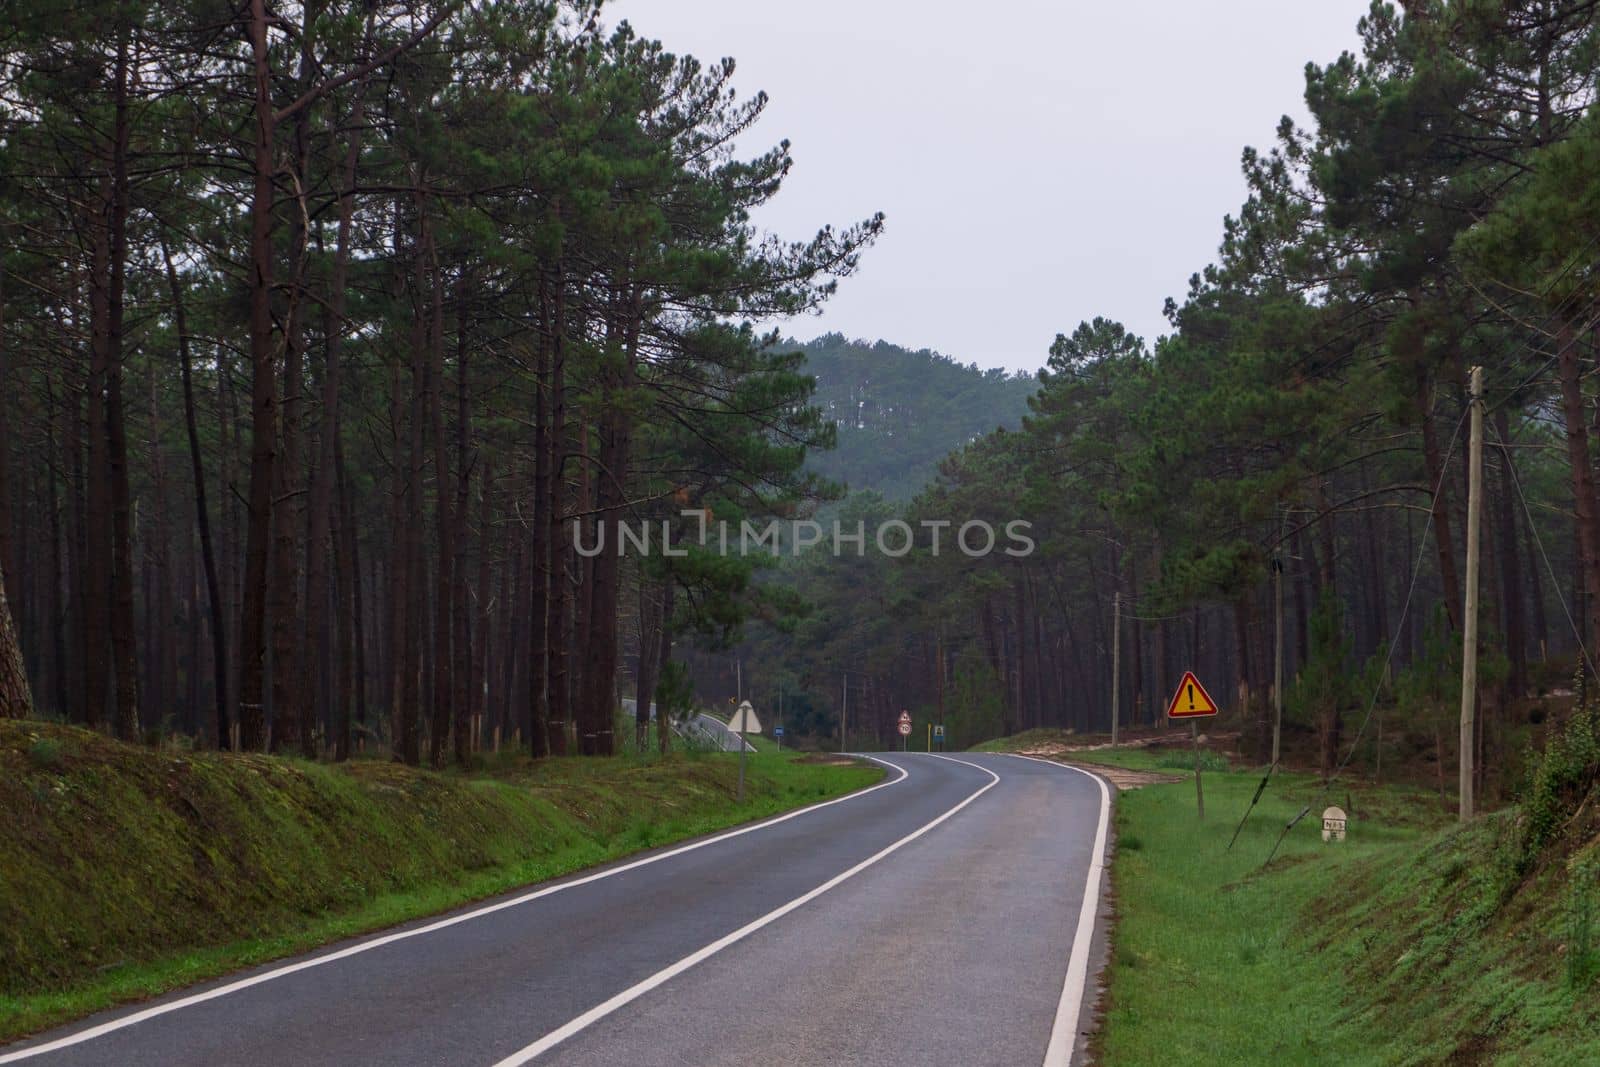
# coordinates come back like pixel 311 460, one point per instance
pixel 1191 701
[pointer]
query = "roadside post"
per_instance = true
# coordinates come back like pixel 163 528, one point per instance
pixel 1469 622
pixel 744 721
pixel 1334 822
pixel 1192 702
pixel 905 728
pixel 1116 663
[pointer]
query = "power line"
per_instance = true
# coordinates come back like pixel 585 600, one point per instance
pixel 1544 292
pixel 1539 542
pixel 1388 657
pixel 1593 321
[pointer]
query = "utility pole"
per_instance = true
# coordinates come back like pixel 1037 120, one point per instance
pixel 1469 624
pixel 739 718
pixel 1277 669
pixel 1116 662
pixel 844 709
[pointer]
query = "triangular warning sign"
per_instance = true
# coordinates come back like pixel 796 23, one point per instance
pixel 1191 701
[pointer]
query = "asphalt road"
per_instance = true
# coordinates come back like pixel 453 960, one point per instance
pixel 947 916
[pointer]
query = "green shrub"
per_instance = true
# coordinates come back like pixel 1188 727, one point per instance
pixel 1583 915
pixel 45 754
pixel 1561 777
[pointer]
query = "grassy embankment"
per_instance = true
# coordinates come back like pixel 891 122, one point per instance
pixel 127 871
pixel 1414 941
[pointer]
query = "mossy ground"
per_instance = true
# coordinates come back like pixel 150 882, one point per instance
pixel 1412 942
pixel 126 871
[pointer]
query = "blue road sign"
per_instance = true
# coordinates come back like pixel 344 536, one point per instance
pixel 777 731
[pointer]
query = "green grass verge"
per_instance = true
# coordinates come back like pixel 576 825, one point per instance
pixel 1412 942
pixel 127 871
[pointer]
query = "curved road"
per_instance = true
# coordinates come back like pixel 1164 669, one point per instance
pixel 946 916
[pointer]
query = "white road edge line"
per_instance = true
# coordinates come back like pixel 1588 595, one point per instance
pixel 124 1021
pixel 666 974
pixel 1064 1033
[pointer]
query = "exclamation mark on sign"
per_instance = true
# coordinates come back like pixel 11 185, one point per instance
pixel 1191 696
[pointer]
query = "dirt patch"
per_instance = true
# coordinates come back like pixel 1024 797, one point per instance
pixel 1121 777
pixel 1219 740
pixel 827 759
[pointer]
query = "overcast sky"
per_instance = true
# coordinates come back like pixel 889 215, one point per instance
pixel 1038 163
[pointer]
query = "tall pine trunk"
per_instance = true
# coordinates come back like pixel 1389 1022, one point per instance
pixel 1582 472
pixel 445 533
pixel 263 401
pixel 596 731
pixel 16 699
pixel 663 661
pixel 461 668
pixel 293 722
pixel 97 592
pixel 322 542
pixel 1434 463
pixel 208 555
pixel 8 563
pixel 543 534
pixel 1513 601
pixel 559 698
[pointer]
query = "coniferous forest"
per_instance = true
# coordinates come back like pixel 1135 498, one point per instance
pixel 326 326
pixel 323 325
pixel 1306 415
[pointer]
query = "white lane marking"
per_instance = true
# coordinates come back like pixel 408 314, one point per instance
pixel 1064 1033
pixel 266 976
pixel 666 974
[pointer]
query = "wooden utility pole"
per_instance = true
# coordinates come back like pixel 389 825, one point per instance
pixel 741 722
pixel 1469 622
pixel 1116 663
pixel 1277 669
pixel 844 709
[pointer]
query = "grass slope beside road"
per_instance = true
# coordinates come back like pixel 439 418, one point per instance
pixel 127 871
pixel 1413 942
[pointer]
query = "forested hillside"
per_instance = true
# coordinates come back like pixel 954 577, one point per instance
pixel 326 331
pixel 1307 411
pixel 899 412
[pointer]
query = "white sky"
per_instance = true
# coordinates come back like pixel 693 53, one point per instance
pixel 1037 163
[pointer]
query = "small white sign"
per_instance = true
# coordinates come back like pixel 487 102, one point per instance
pixel 1333 824
pixel 744 720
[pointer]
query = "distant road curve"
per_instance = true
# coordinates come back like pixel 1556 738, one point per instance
pixel 703 729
